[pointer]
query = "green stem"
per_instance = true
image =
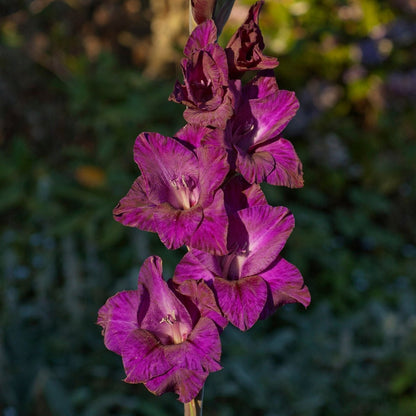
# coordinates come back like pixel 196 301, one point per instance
pixel 194 407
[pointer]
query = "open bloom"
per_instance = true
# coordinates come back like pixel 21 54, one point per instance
pixel 163 343
pixel 252 280
pixel 245 49
pixel 177 195
pixel 207 91
pixel 257 150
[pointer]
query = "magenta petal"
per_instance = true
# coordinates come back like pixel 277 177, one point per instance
pixel 190 361
pixel 135 209
pixel 186 383
pixel 214 118
pixel 175 227
pixel 191 268
pixel 203 35
pixel 273 113
pixel 261 86
pixel 192 134
pixel 203 112
pixel 255 167
pixel 143 357
pixel 265 112
pixel 203 94
pixel 204 342
pixel 167 305
pixel 268 229
pixel 242 300
pixel 220 58
pixel 203 297
pixel 197 265
pixel 213 168
pixel 287 166
pixel 118 317
pixel 164 162
pixel 200 352
pixel 286 285
pixel 211 235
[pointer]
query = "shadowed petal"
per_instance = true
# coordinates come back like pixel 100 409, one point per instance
pixel 201 295
pixel 191 268
pixel 204 342
pixel 143 357
pixel 268 229
pixel 264 113
pixel 213 168
pixel 186 383
pixel 192 134
pixel 135 209
pixel 239 194
pixel 180 93
pixel 200 352
pixel 215 118
pixel 211 235
pixel 261 86
pixel 190 362
pixel 197 265
pixel 287 166
pixel 204 34
pixel 273 113
pixel 118 317
pixel 286 285
pixel 166 306
pixel 255 167
pixel 165 164
pixel 205 79
pixel 242 300
pixel 175 227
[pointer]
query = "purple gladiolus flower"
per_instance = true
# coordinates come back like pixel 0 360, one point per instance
pixel 177 195
pixel 163 343
pixel 207 92
pixel 253 134
pixel 253 279
pixel 244 50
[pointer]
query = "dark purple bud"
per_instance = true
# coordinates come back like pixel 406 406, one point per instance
pixel 244 50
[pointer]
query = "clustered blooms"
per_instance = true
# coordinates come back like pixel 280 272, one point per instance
pixel 201 189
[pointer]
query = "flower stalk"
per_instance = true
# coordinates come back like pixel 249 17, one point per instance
pixel 194 407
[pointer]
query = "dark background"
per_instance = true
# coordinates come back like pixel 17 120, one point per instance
pixel 79 79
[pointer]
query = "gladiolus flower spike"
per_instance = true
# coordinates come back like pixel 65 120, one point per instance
pixel 200 188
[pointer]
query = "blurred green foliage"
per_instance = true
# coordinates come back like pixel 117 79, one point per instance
pixel 67 128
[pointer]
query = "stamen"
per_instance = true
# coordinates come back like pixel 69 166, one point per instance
pixel 174 328
pixel 174 183
pixel 184 194
pixel 169 318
